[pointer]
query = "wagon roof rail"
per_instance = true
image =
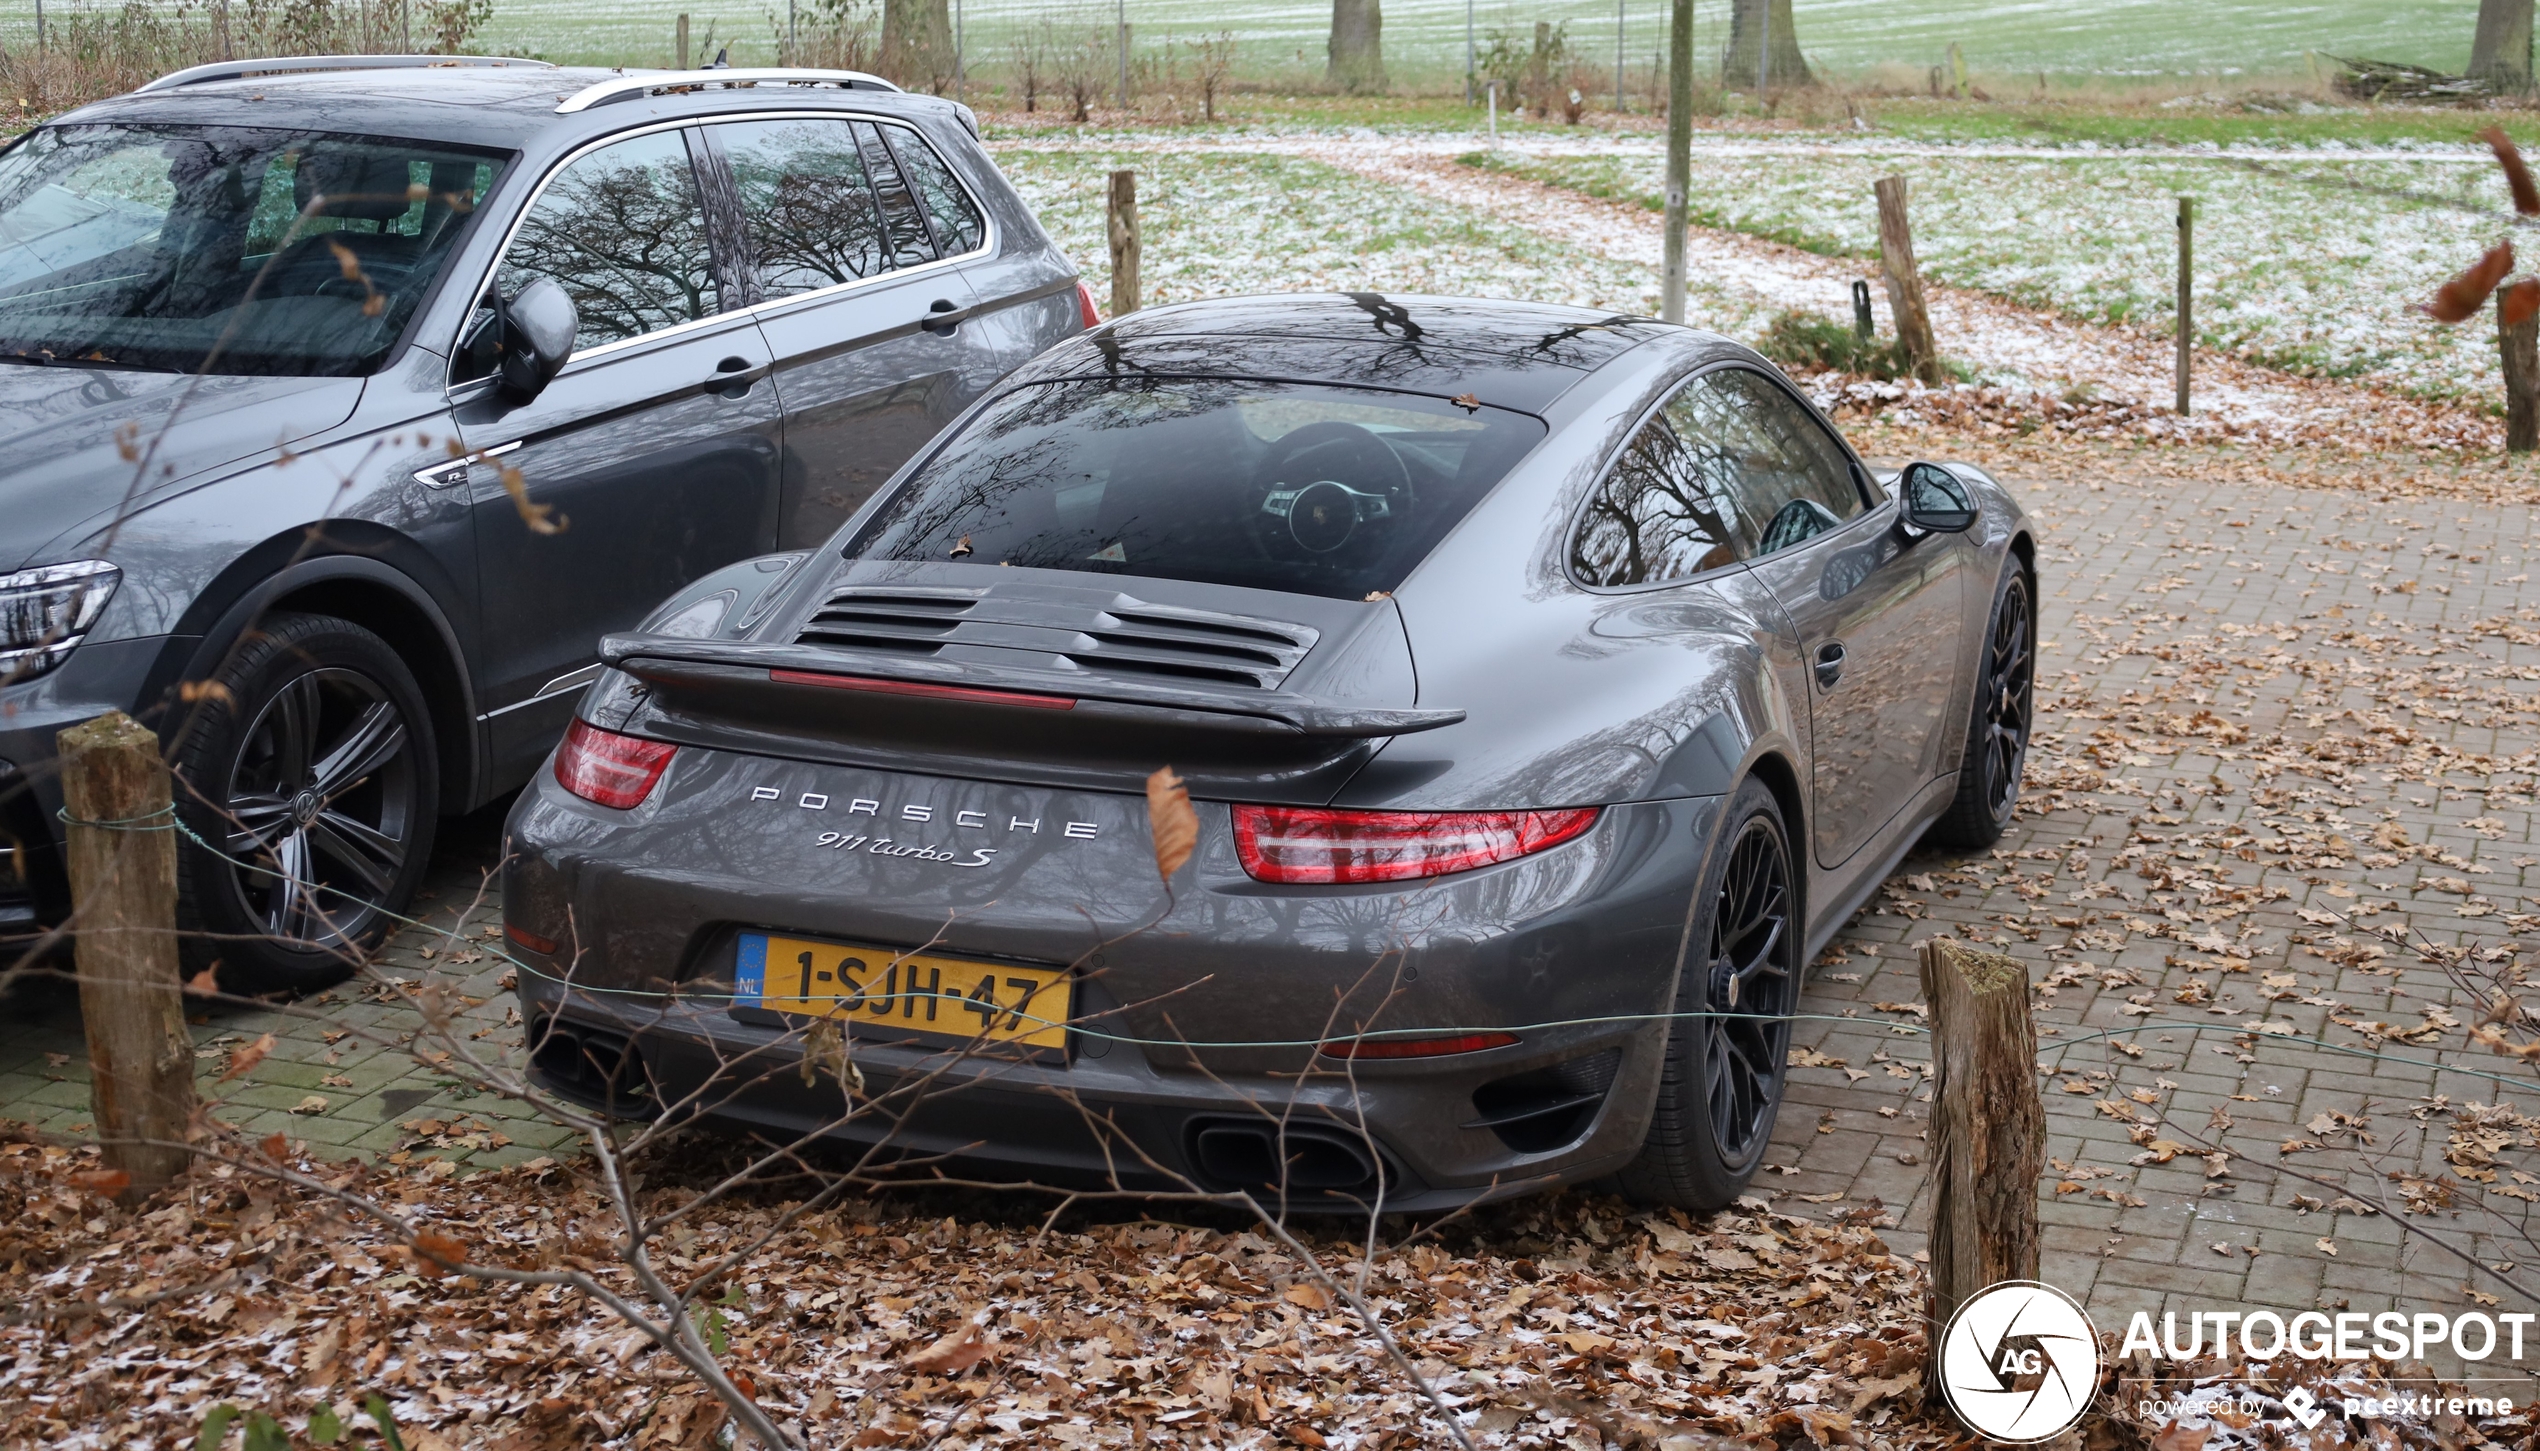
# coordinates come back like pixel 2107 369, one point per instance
pixel 231 70
pixel 637 84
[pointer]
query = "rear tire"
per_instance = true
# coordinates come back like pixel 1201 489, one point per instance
pixel 1720 1087
pixel 2000 721
pixel 312 765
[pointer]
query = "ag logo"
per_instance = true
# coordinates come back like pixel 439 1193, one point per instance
pixel 2019 1362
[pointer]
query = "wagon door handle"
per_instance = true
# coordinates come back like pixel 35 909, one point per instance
pixel 1829 665
pixel 942 316
pixel 734 375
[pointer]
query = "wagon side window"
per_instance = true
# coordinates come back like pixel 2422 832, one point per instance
pixel 1664 512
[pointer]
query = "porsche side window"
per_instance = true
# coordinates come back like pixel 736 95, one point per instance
pixel 954 217
pixel 812 219
pixel 1791 480
pixel 622 231
pixel 1303 487
pixel 1665 512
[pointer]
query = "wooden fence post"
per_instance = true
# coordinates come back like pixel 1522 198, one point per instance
pixel 2186 297
pixel 1988 1129
pixel 1905 282
pixel 123 898
pixel 683 40
pixel 1123 229
pixel 2520 342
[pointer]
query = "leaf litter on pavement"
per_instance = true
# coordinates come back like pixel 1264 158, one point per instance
pixel 952 1319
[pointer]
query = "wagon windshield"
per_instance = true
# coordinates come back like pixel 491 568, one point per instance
pixel 1301 487
pixel 225 249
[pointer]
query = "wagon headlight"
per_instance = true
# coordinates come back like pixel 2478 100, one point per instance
pixel 46 612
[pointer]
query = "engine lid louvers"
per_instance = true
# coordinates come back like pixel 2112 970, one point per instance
pixel 910 620
pixel 1114 635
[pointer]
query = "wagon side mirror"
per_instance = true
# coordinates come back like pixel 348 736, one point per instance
pixel 534 335
pixel 1934 501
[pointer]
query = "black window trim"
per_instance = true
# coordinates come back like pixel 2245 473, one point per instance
pixel 1872 506
pixel 715 221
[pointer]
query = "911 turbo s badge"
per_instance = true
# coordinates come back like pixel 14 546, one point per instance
pixel 873 845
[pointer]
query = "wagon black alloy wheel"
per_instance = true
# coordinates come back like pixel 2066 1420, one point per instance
pixel 2003 731
pixel 321 807
pixel 1751 980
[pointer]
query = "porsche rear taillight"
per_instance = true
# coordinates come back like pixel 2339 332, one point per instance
pixel 608 768
pixel 1319 844
pixel 1085 308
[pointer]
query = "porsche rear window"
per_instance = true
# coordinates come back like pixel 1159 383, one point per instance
pixel 1300 487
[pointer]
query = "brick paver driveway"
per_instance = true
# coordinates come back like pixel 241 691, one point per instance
pixel 2303 715
pixel 2313 755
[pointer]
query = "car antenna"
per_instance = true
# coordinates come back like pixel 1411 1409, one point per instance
pixel 722 60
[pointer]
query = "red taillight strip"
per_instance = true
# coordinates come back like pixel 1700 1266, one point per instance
pixel 1415 1047
pixel 528 939
pixel 934 692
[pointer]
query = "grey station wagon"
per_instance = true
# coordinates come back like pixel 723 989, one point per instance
pixel 347 402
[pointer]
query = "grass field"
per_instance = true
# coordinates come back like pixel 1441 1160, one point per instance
pixel 1424 39
pixel 1282 41
pixel 1230 224
pixel 2307 265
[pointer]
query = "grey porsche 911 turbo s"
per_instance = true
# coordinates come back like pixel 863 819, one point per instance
pixel 1549 685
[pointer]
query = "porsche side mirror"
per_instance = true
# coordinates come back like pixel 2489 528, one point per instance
pixel 1934 501
pixel 534 335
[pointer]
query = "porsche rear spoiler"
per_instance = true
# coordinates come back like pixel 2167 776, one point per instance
pixel 692 666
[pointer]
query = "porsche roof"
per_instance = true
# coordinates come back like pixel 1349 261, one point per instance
pixel 1513 354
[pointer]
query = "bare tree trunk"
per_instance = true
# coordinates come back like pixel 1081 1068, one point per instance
pixel 1988 1128
pixel 1358 46
pixel 1766 23
pixel 122 858
pixel 1905 282
pixel 1671 283
pixel 2520 343
pixel 917 45
pixel 2500 51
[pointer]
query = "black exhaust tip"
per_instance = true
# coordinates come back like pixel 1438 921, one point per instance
pixel 589 1065
pixel 1294 1158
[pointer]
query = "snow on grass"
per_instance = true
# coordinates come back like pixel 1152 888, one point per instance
pixel 2308 265
pixel 1218 224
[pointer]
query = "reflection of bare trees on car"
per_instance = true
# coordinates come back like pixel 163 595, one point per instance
pixel 622 232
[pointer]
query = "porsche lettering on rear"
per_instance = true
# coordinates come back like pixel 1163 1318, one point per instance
pixel 912 811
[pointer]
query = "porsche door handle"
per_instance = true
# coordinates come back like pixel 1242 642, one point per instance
pixel 1829 665
pixel 942 316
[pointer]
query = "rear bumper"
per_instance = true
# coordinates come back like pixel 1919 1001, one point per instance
pixel 1197 1013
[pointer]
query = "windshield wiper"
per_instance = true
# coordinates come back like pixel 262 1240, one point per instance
pixel 93 358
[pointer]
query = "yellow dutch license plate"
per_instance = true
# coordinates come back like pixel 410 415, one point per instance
pixel 905 992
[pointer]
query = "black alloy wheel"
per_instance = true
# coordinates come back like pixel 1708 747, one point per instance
pixel 1720 1084
pixel 1752 989
pixel 312 773
pixel 2003 719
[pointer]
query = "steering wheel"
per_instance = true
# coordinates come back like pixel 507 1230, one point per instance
pixel 1327 487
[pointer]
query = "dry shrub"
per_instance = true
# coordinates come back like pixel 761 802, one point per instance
pixel 93 51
